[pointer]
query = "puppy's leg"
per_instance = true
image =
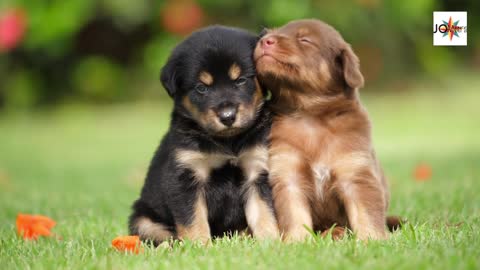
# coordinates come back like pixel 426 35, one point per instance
pixel 147 223
pixel 290 190
pixel 365 206
pixel 197 227
pixel 150 230
pixel 259 210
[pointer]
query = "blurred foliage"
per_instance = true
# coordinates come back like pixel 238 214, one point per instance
pixel 105 51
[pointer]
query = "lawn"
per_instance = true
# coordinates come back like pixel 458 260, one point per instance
pixel 83 166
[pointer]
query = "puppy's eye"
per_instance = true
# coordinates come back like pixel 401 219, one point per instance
pixel 241 81
pixel 201 88
pixel 304 40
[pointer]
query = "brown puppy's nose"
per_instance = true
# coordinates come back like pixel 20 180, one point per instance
pixel 268 41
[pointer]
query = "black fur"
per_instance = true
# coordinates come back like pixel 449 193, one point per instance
pixel 170 190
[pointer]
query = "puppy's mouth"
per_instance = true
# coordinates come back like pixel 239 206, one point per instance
pixel 271 59
pixel 240 126
pixel 264 55
pixel 228 132
pixel 217 129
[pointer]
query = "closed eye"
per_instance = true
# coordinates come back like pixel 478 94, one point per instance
pixel 305 40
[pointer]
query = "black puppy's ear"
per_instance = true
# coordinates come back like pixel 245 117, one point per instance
pixel 351 68
pixel 168 77
pixel 263 33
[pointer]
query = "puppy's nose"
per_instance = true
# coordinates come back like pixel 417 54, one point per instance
pixel 268 41
pixel 227 115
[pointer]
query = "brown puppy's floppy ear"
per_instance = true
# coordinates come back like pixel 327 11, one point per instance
pixel 351 68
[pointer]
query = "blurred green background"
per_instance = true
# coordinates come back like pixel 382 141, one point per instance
pixel 110 51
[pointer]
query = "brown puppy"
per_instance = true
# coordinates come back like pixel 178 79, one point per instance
pixel 323 167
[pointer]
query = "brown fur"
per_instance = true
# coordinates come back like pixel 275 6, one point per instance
pixel 246 112
pixel 206 78
pixel 234 72
pixel 260 217
pixel 198 229
pixel 337 233
pixel 207 119
pixel 322 163
pixel 155 231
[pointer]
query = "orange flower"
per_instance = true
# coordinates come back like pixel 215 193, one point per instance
pixel 423 172
pixel 33 226
pixel 129 243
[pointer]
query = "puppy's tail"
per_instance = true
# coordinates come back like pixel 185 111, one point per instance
pixel 395 222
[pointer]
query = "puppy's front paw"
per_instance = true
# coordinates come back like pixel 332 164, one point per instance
pixel 269 232
pixel 196 233
pixel 337 233
pixel 297 235
pixel 366 235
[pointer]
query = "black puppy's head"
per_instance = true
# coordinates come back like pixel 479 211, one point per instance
pixel 211 76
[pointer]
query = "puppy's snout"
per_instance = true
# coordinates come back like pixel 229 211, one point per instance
pixel 268 41
pixel 227 115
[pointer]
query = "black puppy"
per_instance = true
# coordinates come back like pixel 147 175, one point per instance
pixel 209 175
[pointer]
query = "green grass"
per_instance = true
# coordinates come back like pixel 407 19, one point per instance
pixel 83 166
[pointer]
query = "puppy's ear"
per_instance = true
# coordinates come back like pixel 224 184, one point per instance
pixel 351 68
pixel 263 33
pixel 168 77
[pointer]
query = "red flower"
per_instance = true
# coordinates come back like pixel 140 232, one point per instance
pixel 31 227
pixel 12 28
pixel 182 16
pixel 129 243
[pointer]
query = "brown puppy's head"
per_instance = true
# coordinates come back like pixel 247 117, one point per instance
pixel 307 55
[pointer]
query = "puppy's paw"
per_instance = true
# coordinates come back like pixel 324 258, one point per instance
pixel 297 235
pixel 366 235
pixel 270 232
pixel 337 233
pixel 203 241
pixel 395 222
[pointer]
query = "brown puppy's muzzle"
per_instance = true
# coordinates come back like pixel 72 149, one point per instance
pixel 268 42
pixel 267 46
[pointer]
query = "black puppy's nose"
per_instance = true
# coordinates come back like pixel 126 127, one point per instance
pixel 227 115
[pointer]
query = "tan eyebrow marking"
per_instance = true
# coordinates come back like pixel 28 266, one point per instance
pixel 234 71
pixel 206 78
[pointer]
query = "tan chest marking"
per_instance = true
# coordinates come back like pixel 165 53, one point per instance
pixel 201 163
pixel 252 161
